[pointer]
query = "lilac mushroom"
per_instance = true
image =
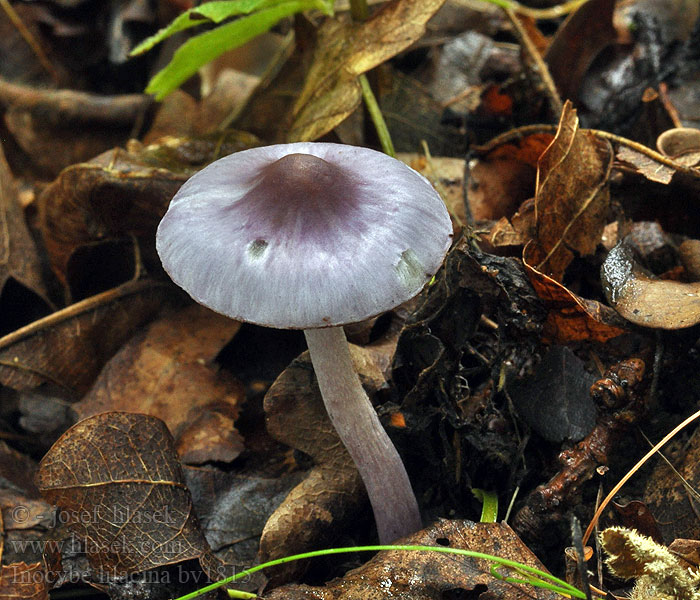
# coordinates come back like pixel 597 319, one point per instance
pixel 313 236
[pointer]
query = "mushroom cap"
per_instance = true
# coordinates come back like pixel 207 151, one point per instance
pixel 304 235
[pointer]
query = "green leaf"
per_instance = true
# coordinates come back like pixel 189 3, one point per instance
pixel 215 12
pixel 207 46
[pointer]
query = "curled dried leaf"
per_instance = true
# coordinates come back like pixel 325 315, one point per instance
pixel 572 196
pixel 681 144
pixel 646 301
pixel 570 317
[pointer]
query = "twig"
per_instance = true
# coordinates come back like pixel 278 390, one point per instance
pixel 537 64
pixel 540 13
pixel 522 132
pixel 29 38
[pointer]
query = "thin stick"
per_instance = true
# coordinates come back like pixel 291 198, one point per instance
pixel 522 132
pixel 537 64
pixel 540 13
pixel 29 38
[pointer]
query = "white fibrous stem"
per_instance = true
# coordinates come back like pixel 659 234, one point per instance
pixel 354 418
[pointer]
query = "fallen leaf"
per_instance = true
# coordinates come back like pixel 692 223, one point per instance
pixel 515 231
pixel 646 301
pixel 689 253
pixel 570 318
pixel 117 482
pixel 572 196
pixel 636 515
pixel 58 128
pixel 68 348
pixel 577 43
pixel 412 116
pixel 645 165
pixel 18 470
pixel 332 491
pixel 115 194
pixel 345 51
pixel 687 551
pixel 20 266
pixel 22 581
pixel 123 193
pixel 430 575
pixel 167 371
pixel 501 180
pixel 233 507
pixel 670 493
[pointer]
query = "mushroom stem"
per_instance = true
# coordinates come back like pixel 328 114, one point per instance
pixel 354 418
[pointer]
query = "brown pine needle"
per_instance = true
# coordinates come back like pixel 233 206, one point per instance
pixel 632 471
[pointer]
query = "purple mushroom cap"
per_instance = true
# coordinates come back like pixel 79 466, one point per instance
pixel 304 235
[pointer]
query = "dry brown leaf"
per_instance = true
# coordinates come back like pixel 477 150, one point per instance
pixel 669 491
pixel 689 253
pixel 115 194
pixel 645 165
pixel 117 481
pixel 69 347
pixel 643 300
pixel 57 128
pixel 430 575
pixel 570 318
pixel 572 196
pixel 577 42
pixel 344 51
pixel 166 371
pixel 19 260
pixel 332 491
pixel 123 192
pixel 18 470
pixel 22 581
pixel 503 179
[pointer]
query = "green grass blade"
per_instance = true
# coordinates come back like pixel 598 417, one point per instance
pixel 206 47
pixel 538 578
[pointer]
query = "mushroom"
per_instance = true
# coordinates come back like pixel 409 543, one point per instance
pixel 313 236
